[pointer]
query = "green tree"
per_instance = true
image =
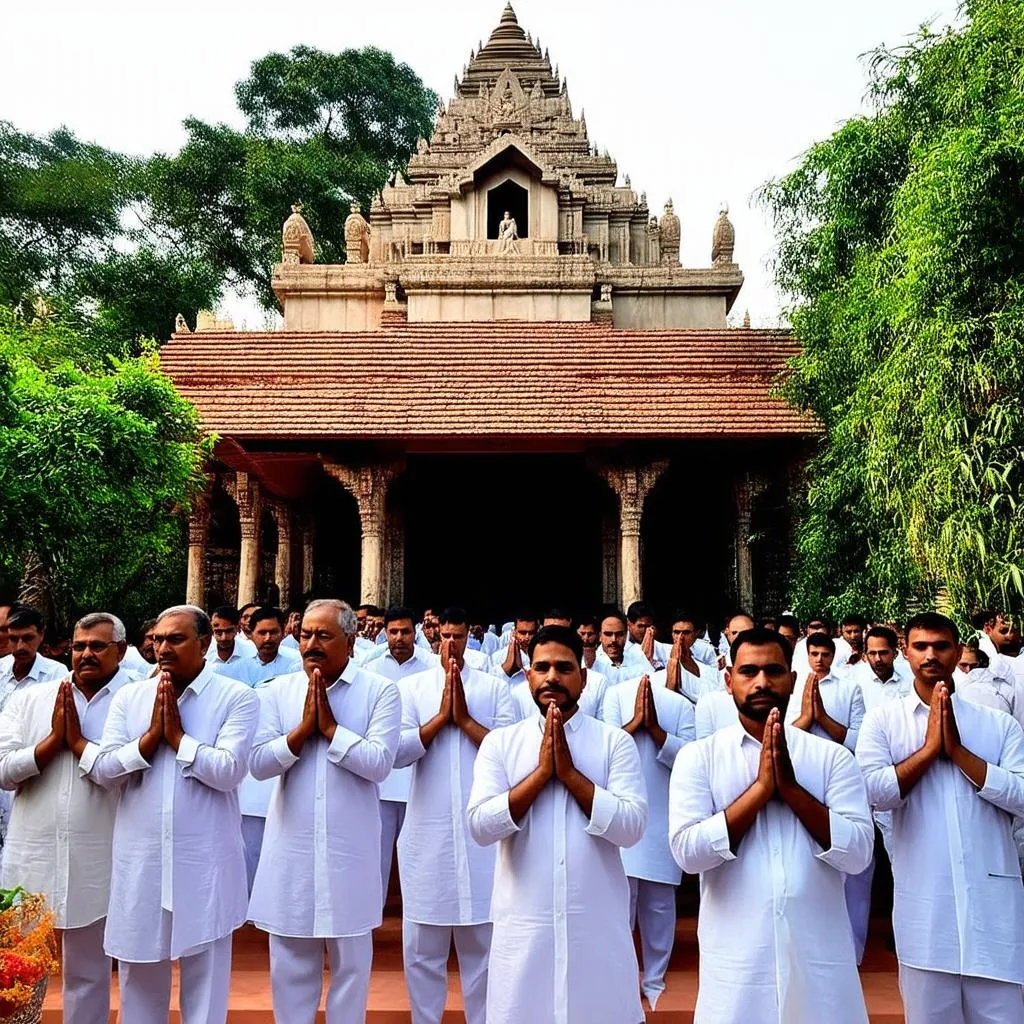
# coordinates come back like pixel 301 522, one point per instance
pixel 99 461
pixel 900 247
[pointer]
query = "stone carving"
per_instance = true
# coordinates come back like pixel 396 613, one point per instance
pixel 606 293
pixel 508 235
pixel 723 240
pixel 670 236
pixel 390 291
pixel 357 237
pixel 422 147
pixel 296 238
pixel 180 326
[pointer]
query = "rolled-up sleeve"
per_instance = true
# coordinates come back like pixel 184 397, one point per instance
pixel 488 817
pixel 698 834
pixel 619 811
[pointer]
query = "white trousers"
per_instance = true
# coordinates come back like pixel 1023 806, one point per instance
pixel 392 817
pixel 203 996
pixel 652 905
pixel 86 973
pixel 425 948
pixel 297 978
pixel 253 827
pixel 858 906
pixel 932 997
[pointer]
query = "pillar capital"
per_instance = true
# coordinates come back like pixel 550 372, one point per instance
pixel 369 486
pixel 244 490
pixel 632 484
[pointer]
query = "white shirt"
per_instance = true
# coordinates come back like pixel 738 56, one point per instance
pixel 290 642
pixel 842 700
pixel 875 691
pixel 714 711
pixel 801 666
pixel 252 671
pixel 561 900
pixel 591 699
pixel 495 662
pixel 244 648
pixel 959 902
pixel 651 858
pixel 319 872
pixel 42 671
pixel 634 664
pixel 396 785
pixel 178 878
pixel 446 877
pixel 775 942
pixel 135 663
pixel 62 820
pixel 690 686
pixel 981 686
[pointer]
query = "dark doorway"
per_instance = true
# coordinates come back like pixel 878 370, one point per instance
pixel 513 198
pixel 338 544
pixel 497 532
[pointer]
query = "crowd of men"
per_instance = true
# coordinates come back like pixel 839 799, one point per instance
pixel 546 784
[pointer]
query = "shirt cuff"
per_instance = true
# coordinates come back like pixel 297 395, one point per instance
pixel 282 752
pixel 841 833
pixel 716 833
pixel 131 758
pixel 88 758
pixel 497 817
pixel 344 740
pixel 21 765
pixel 187 750
pixel 995 782
pixel 602 812
pixel 669 749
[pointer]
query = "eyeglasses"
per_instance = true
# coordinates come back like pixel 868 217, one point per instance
pixel 95 646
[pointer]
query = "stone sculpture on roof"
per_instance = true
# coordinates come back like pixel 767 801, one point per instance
pixel 723 241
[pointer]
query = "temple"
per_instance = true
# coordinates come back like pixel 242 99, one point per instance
pixel 512 390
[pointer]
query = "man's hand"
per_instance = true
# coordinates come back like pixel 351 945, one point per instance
pixel 49 747
pixel 647 644
pixel 806 717
pixel 307 726
pixel 950 732
pixel 785 779
pixel 546 762
pixel 564 767
pixel 636 723
pixel 460 711
pixel 513 662
pixel 933 734
pixel 72 724
pixel 325 720
pixel 650 709
pixel 174 733
pixel 153 736
pixel 445 653
pixel 765 781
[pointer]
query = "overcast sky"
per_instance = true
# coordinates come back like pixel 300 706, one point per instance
pixel 700 102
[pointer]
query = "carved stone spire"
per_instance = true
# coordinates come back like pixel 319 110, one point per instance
pixel 296 238
pixel 723 240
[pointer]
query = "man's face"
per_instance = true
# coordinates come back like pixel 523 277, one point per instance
pixel 525 630
pixel 432 630
pixel 789 633
pixel 638 629
pixel 267 635
pixel 401 637
pixel 374 624
pixel 880 657
pixel 147 648
pixel 613 638
pixel 456 634
pixel 968 661
pixel 760 680
pixel 24 641
pixel 361 616
pixel 180 650
pixel 5 640
pixel 932 655
pixel 820 659
pixel 243 620
pixel 587 632
pixel 224 633
pixel 323 644
pixel 736 625
pixel 1001 632
pixel 555 677
pixel 853 635
pixel 686 630
pixel 95 655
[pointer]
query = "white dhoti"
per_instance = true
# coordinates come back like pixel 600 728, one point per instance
pixel 297 978
pixel 934 997
pixel 857 889
pixel 392 817
pixel 86 975
pixel 425 948
pixel 652 905
pixel 253 827
pixel 205 983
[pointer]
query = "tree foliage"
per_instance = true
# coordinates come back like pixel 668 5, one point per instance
pixel 900 247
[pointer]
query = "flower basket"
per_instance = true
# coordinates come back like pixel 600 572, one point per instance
pixel 28 955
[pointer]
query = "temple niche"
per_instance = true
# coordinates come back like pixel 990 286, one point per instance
pixel 508 212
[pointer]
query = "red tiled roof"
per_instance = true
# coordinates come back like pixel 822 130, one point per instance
pixel 486 380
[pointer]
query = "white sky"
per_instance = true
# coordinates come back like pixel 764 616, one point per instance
pixel 698 101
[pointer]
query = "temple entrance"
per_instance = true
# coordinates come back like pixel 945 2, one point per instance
pixel 496 532
pixel 513 198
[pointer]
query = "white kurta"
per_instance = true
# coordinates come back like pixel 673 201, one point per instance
pixel 958 904
pixel 843 702
pixel 62 821
pixel 651 858
pixel 243 648
pixel 252 670
pixel 690 686
pixel 177 844
pixel 319 872
pixel 562 951
pixel 634 664
pixel 591 699
pixel 714 711
pixel 982 686
pixel 446 877
pixel 875 691
pixel 775 940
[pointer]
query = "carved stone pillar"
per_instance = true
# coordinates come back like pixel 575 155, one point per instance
pixel 746 488
pixel 369 486
pixel 246 493
pixel 632 484
pixel 308 554
pixel 198 534
pixel 283 565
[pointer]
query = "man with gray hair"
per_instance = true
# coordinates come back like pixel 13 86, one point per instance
pixel 177 747
pixel 62 819
pixel 329 735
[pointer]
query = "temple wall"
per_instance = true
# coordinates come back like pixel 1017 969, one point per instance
pixel 497 304
pixel 333 312
pixel 654 312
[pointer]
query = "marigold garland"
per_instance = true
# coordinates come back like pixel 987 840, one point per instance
pixel 28 947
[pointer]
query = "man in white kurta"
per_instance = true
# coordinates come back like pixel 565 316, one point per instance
pixel 230 645
pixel 591 700
pixel 661 724
pixel 446 877
pixel 952 773
pixel 772 817
pixel 683 673
pixel 62 820
pixel 177 748
pixel 615 660
pixel 510 662
pixel 329 735
pixel 401 658
pixel 561 794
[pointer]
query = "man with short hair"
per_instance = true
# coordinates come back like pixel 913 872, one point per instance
pixel 562 793
pixel 616 660
pixel 877 674
pixel 446 878
pixel 995 638
pixel 62 820
pixel 661 723
pixel 328 734
pixel 177 749
pixel 511 662
pixel 366 638
pixel 952 773
pixel 556 617
pixel 229 645
pixel 245 618
pixel 789 627
pixel 771 817
pixel 589 632
pixel 851 629
pixel 820 624
pixel 640 630
pixel 24 665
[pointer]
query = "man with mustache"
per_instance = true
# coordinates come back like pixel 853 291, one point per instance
pixel 615 660
pixel 772 817
pixel 177 747
pixel 952 773
pixel 62 820
pixel 446 878
pixel 562 793
pixel 328 735
pixel 230 644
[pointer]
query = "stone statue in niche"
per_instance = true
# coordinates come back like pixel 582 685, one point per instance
pixel 508 236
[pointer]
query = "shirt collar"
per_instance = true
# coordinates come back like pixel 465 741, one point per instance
pixel 201 681
pixel 347 676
